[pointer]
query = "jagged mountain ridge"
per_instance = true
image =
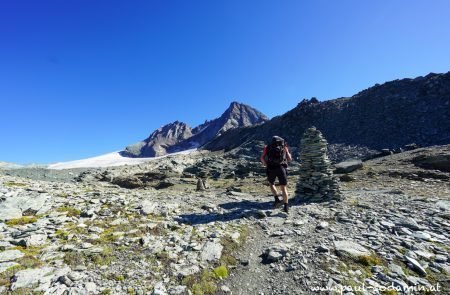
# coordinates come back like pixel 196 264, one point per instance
pixel 390 115
pixel 178 136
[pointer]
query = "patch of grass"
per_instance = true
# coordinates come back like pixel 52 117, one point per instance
pixel 30 251
pixel 70 211
pixel 5 276
pixel 21 220
pixel 62 234
pixel 26 291
pixel 389 292
pixel 63 195
pixel 105 258
pixel 119 278
pixel 221 272
pixel 203 284
pixel 74 258
pixel 30 262
pixel 369 260
pixel 106 292
pixel 14 184
pixel 230 246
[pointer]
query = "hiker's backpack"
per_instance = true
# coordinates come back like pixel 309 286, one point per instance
pixel 276 154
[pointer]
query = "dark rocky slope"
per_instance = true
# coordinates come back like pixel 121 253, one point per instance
pixel 390 115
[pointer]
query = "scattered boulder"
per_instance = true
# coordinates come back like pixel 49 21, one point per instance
pixel 415 265
pixel 10 255
pixel 348 166
pixel 148 207
pixel 350 249
pixel 436 162
pixel 29 277
pixel 408 222
pixel 200 185
pixel 276 252
pixel 211 251
pixel 6 265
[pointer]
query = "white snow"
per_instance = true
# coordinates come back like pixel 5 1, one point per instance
pixel 108 160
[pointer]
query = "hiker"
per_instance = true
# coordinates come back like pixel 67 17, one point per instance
pixel 275 157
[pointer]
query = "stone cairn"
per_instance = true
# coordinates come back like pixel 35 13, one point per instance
pixel 316 183
pixel 202 184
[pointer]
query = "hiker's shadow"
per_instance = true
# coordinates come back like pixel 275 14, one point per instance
pixel 232 211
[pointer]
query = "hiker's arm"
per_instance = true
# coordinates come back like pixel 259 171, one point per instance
pixel 288 154
pixel 263 157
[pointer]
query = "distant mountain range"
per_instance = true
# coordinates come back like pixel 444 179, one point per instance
pixel 6 165
pixel 387 116
pixel 391 115
pixel 178 136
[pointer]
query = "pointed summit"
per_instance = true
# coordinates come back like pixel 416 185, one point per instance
pixel 156 144
pixel 239 115
pixel 177 136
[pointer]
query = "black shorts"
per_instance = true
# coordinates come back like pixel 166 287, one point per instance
pixel 274 172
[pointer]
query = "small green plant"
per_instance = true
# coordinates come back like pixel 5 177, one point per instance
pixel 369 260
pixel 62 234
pixel 221 272
pixel 70 211
pixel 21 220
pixel 203 284
pixel 74 258
pixel 7 274
pixel 389 292
pixel 119 278
pixel 106 292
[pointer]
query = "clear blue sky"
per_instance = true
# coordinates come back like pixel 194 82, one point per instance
pixel 82 78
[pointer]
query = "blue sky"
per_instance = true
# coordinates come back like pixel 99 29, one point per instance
pixel 82 78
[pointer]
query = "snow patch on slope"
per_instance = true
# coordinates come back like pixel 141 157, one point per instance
pixel 108 160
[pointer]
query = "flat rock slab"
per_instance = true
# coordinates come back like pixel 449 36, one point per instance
pixel 211 251
pixel 6 265
pixel 348 166
pixel 18 202
pixel 416 266
pixel 10 255
pixel 148 207
pixel 7 213
pixel 443 205
pixel 350 249
pixel 29 277
pixel 408 222
pixel 32 240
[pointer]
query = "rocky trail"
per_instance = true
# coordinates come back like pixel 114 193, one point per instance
pixel 86 233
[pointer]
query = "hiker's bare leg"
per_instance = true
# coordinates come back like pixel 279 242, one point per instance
pixel 274 190
pixel 285 193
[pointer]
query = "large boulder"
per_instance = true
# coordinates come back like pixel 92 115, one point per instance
pixel 348 166
pixel 10 255
pixel 350 249
pixel 211 252
pixel 30 277
pixel 436 162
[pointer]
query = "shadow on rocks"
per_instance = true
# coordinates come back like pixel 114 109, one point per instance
pixel 232 211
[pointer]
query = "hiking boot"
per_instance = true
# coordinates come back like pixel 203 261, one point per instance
pixel 286 208
pixel 277 203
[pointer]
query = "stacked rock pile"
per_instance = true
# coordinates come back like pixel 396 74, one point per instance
pixel 316 183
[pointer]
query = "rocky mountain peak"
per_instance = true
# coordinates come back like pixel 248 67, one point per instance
pixel 178 136
pixel 240 115
pixel 163 137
